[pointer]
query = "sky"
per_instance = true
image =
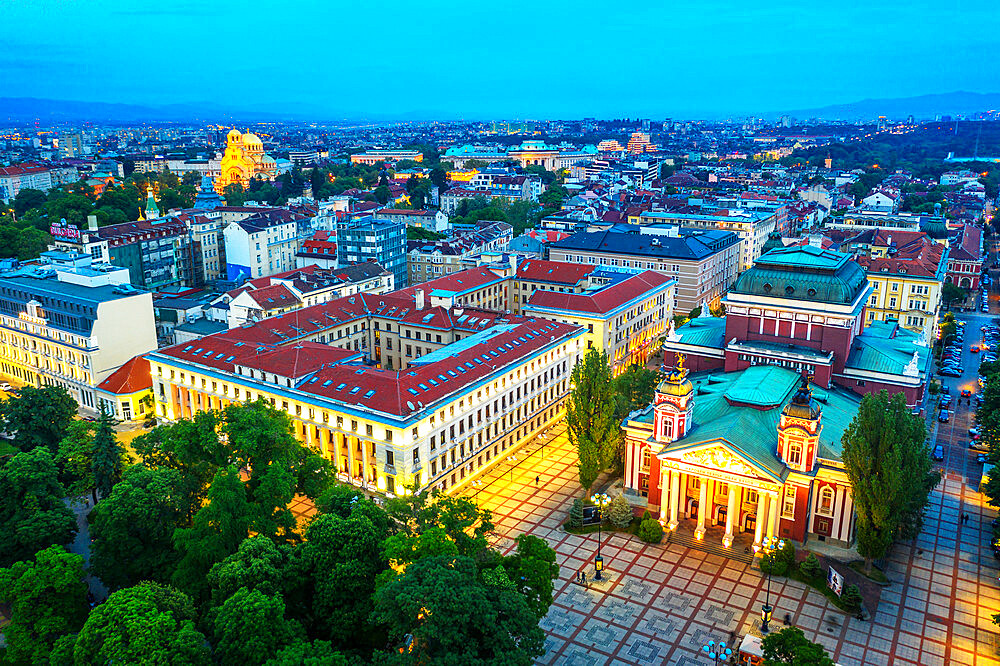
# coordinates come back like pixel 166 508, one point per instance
pixel 473 59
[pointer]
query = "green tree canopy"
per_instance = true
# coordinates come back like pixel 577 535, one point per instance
pixel 133 527
pixel 39 416
pixel 148 624
pixel 48 598
pixel 634 389
pixel 251 627
pixel 33 515
pixel 302 653
pixel 790 647
pixel 258 564
pixel 109 458
pixel 75 459
pixel 533 570
pixel 461 519
pixel 454 616
pixel 220 526
pixel 591 414
pixel 887 458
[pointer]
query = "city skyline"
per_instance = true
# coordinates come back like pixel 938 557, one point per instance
pixel 704 63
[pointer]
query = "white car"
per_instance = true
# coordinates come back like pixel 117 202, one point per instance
pixel 5 386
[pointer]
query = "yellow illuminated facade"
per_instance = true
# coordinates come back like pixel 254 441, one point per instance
pixel 244 160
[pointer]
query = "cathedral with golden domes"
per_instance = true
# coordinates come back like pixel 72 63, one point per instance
pixel 244 160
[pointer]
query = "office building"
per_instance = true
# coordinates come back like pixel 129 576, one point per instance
pixel 363 239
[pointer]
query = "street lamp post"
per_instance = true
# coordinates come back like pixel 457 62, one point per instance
pixel 717 652
pixel 601 500
pixel 767 549
pixel 512 460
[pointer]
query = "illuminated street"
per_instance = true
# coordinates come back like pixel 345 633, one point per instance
pixel 662 603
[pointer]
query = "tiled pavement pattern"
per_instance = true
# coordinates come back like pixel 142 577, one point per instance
pixel 663 602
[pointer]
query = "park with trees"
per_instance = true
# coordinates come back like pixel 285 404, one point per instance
pixel 194 539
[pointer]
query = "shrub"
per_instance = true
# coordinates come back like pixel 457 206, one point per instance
pixel 620 512
pixel 787 555
pixel 650 530
pixel 576 513
pixel 810 567
pixel 851 598
pixel 646 515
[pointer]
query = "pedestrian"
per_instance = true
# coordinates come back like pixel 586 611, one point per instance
pixel 537 481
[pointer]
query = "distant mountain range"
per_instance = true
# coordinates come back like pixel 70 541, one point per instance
pixel 922 107
pixel 25 109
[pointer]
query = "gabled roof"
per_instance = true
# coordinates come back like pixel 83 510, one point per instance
pixel 602 301
pixel 131 377
pixel 561 272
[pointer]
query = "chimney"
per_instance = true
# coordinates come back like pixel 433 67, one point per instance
pixel 816 240
pixel 513 263
pixel 91 223
pixel 418 296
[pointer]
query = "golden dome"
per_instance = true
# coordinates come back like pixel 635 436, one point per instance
pixel 234 135
pixel 251 139
pixel 676 382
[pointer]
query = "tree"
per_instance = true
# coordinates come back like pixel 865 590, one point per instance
pixel 28 198
pixel 461 519
pixel 619 512
pixel 219 528
pixel 134 526
pixel 190 446
pixel 382 194
pixel 533 568
pixel 952 292
pixel 332 577
pixel 75 459
pixel 591 415
pixel 452 616
pixel 33 515
pixel 39 416
pixel 650 530
pixel 576 513
pixel 851 598
pixel 810 567
pixel 887 458
pixel 790 647
pixel 258 564
pixel 108 458
pixel 48 598
pixel 251 627
pixel 146 624
pixel 234 194
pixel 302 653
pixel 634 389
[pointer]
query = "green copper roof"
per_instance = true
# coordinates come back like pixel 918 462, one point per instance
pixel 752 431
pixel 761 386
pixel 804 272
pixel 703 331
pixel 885 346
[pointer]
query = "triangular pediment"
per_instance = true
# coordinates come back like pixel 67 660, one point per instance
pixel 723 456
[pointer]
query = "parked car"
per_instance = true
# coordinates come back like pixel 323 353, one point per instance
pixel 981 459
pixel 945 390
pixel 5 386
pixel 943 416
pixel 978 446
pixel 966 393
pixel 974 432
pixel 938 453
pixel 949 372
pixel 974 349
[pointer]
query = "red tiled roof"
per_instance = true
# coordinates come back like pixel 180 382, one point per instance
pixel 467 280
pixel 133 376
pixel 561 272
pixel 967 243
pixel 274 296
pixel 296 360
pixel 604 300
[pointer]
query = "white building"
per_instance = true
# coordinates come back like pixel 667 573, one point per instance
pixel 71 323
pixel 260 245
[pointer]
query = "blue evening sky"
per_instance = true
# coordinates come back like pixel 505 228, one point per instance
pixel 548 58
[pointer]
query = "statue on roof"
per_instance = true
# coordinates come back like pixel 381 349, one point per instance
pixel 912 368
pixel 672 335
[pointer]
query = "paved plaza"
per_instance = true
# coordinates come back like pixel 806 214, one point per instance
pixel 661 603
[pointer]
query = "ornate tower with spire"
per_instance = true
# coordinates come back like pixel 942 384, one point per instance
pixel 799 429
pixel 673 405
pixel 152 210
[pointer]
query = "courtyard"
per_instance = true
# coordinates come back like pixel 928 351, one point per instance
pixel 660 603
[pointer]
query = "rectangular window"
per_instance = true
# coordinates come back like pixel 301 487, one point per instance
pixel 389 458
pixel 788 503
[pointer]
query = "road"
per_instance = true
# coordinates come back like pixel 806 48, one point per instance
pixel 954 435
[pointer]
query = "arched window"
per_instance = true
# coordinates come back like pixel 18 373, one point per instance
pixel 825 501
pixel 794 456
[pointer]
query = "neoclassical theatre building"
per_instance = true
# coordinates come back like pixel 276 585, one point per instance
pixel 743 439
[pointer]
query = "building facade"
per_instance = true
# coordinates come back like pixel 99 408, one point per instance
pixel 426 260
pixel 363 239
pixel 376 156
pixel 71 323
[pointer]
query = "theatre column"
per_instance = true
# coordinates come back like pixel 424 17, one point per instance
pixel 772 523
pixel 727 539
pixel 758 533
pixel 699 531
pixel 675 498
